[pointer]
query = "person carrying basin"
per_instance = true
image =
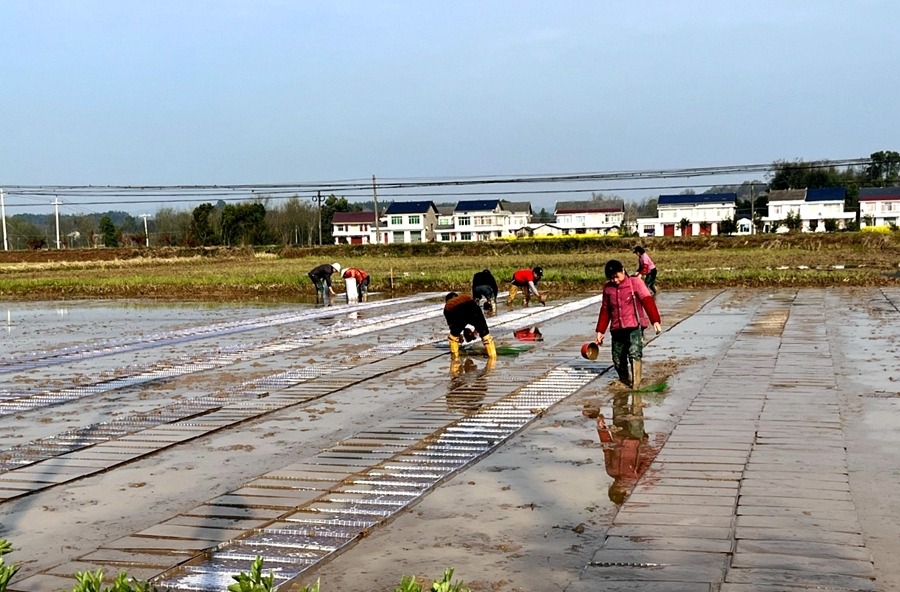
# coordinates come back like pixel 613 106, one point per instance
pixel 321 278
pixel 526 280
pixel 361 280
pixel 485 286
pixel 460 311
pixel 625 307
pixel 646 269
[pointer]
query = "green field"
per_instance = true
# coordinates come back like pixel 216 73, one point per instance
pixel 572 264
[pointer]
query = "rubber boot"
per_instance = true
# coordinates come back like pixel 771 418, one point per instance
pixel 623 377
pixel 454 345
pixel 513 290
pixel 636 383
pixel 489 347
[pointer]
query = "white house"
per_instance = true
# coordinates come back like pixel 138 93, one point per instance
pixel 488 219
pixel 353 228
pixel 702 214
pixel 813 206
pixel 879 206
pixel 409 222
pixel 590 217
pixel 444 229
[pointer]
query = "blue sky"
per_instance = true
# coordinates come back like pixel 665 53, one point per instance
pixel 267 91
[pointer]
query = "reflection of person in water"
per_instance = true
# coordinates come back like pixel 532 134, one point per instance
pixel 468 386
pixel 625 445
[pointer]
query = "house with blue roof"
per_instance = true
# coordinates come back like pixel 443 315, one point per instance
pixel 689 215
pixel 409 222
pixel 487 219
pixel 590 217
pixel 817 209
pixel 879 206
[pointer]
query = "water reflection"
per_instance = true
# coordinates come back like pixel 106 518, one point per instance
pixel 468 384
pixel 626 449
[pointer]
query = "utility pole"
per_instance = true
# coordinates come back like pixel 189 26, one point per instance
pixel 56 203
pixel 3 216
pixel 752 210
pixel 146 232
pixel 319 202
pixel 375 199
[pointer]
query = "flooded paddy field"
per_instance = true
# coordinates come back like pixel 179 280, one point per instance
pixel 341 443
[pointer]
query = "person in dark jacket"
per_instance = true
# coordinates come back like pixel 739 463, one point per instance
pixel 485 286
pixel 321 278
pixel 461 310
pixel 526 280
pixel 626 305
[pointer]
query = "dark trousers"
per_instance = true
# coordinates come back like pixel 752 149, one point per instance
pixel 650 281
pixel 627 345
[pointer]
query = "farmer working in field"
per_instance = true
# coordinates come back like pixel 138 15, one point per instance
pixel 625 302
pixel 485 286
pixel 362 281
pixel 321 278
pixel 526 280
pixel 646 269
pixel 461 310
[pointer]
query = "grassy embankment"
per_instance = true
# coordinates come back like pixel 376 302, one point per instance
pixel 572 264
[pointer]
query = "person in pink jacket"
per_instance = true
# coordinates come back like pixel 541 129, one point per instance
pixel 625 308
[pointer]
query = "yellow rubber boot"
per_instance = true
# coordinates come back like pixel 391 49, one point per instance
pixel 454 345
pixel 489 347
pixel 636 380
pixel 513 290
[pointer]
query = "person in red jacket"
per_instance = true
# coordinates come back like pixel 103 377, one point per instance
pixel 362 281
pixel 625 307
pixel 646 269
pixel 526 280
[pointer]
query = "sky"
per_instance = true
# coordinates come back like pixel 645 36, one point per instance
pixel 195 92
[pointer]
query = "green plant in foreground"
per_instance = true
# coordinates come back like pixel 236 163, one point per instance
pixel 92 581
pixel 409 584
pixel 254 581
pixel 6 571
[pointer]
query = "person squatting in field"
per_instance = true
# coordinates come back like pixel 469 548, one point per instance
pixel 646 269
pixel 321 278
pixel 526 280
pixel 625 306
pixel 362 281
pixel 461 310
pixel 485 286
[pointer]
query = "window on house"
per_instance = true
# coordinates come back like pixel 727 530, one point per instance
pixel 579 219
pixel 445 237
pixel 465 236
pixel 465 221
pixel 415 236
pixel 398 237
pixel 396 220
pixel 414 220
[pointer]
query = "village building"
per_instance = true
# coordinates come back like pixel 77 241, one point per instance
pixel 689 215
pixel 590 217
pixel 879 206
pixel 353 228
pixel 409 222
pixel 814 207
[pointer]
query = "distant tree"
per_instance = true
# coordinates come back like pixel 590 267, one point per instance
pixel 831 225
pixel 688 191
pixel 202 231
pixel 108 232
pixel 331 205
pixel 793 222
pixel 245 224
pixel 728 226
pixel 683 225
pixel 172 227
pixel 544 216
pixel 758 222
pixel 884 170
pixel 868 220
pixel 813 225
pixel 294 222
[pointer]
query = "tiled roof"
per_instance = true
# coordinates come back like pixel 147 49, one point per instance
pixel 787 195
pixel 409 207
pixel 826 194
pixel 879 193
pixel 516 206
pixel 572 207
pixel 698 199
pixel 477 205
pixel 353 218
